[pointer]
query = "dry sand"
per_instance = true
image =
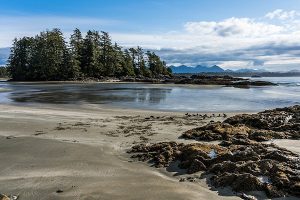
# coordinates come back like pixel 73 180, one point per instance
pixel 82 151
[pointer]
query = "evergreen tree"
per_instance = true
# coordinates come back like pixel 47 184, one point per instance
pixel 91 64
pixel 133 54
pixel 19 61
pixel 48 57
pixel 107 54
pixel 156 66
pixel 76 48
pixel 48 61
pixel 128 67
pixel 3 72
pixel 118 61
pixel 141 65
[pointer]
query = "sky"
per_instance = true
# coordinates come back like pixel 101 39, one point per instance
pixel 257 34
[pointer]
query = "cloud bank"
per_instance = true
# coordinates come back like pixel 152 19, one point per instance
pixel 270 42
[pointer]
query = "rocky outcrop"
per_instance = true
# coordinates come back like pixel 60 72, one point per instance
pixel 11 197
pixel 254 167
pixel 220 80
pixel 200 80
pixel 4 197
pixel 281 123
pixel 280 120
pixel 240 160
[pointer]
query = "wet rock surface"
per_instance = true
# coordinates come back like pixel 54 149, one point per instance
pixel 281 123
pixel 220 80
pixel 203 79
pixel 11 197
pixel 240 160
pixel 254 167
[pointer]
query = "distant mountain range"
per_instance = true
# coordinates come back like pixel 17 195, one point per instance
pixel 204 69
pixel 198 69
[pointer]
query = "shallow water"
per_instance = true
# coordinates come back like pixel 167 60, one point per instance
pixel 157 97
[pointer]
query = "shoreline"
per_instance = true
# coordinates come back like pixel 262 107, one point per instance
pixel 201 79
pixel 46 149
pixel 82 152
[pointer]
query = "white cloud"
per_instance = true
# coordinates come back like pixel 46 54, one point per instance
pixel 266 41
pixel 282 15
pixel 19 26
pixel 244 27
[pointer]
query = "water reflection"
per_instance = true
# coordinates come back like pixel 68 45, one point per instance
pixel 87 93
pixel 155 97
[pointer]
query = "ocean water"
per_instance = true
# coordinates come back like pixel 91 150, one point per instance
pixel 157 97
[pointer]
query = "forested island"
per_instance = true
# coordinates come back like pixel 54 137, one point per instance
pixel 94 57
pixel 49 57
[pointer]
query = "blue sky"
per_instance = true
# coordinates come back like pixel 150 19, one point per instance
pixel 231 33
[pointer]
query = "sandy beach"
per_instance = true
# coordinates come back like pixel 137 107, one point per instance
pixel 80 153
pixel 70 152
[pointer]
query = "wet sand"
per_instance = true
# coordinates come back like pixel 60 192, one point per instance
pixel 82 152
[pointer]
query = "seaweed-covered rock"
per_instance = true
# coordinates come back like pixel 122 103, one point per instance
pixel 271 124
pixel 238 182
pixel 220 80
pixel 196 166
pixel 255 166
pixel 273 191
pixel 4 197
pixel 285 120
pixel 217 131
pixel 240 161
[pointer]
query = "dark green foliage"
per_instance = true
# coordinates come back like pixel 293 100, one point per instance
pixel 47 57
pixel 20 58
pixel 3 72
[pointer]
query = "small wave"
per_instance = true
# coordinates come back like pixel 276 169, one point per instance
pixel 4 90
pixel 289 84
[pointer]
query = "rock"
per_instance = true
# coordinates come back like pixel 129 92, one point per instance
pixel 182 179
pixel 191 179
pixel 247 197
pixel 272 124
pixel 238 182
pixel 196 166
pixel 14 197
pixel 273 192
pixel 244 167
pixel 226 166
pixel 4 197
pixel 281 122
pixel 240 161
pixel 219 80
pixel 10 137
pixel 295 189
pixel 217 131
pixel 59 191
pixel 276 155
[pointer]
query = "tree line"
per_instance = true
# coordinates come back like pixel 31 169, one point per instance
pixel 3 72
pixel 48 57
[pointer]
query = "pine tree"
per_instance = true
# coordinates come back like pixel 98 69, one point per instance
pixel 20 59
pixel 76 49
pixel 48 57
pixel 91 65
pixel 128 67
pixel 107 54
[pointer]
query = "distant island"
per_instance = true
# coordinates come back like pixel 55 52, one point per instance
pixel 213 69
pixel 218 71
pixel 49 57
